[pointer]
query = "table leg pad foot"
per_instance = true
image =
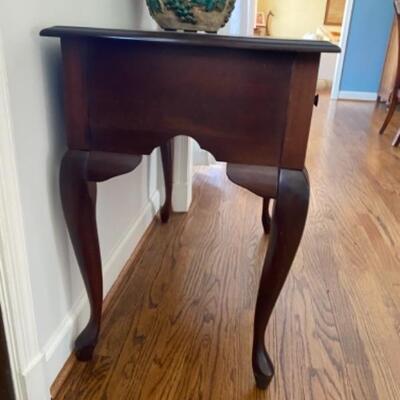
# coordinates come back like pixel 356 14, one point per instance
pixel 165 213
pixel 263 369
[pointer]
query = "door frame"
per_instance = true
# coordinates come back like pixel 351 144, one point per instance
pixel 250 17
pixel 15 288
pixel 337 78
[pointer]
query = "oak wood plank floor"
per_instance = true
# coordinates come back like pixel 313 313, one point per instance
pixel 181 328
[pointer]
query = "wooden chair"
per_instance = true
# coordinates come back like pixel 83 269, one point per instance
pixel 394 97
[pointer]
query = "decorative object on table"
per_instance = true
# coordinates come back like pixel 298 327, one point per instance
pixel 191 15
pixel 394 96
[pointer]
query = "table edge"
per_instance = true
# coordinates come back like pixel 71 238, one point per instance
pixel 195 39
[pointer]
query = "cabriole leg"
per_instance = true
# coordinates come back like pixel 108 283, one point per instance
pixel 80 170
pixel 391 110
pixel 266 219
pixel 286 231
pixel 396 140
pixel 167 156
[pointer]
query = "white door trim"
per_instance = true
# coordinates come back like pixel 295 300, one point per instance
pixel 182 175
pixel 250 17
pixel 348 13
pixel 15 288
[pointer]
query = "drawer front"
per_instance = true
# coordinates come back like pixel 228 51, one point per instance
pixel 232 102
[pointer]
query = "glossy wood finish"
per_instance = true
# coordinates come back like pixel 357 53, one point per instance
pixel 194 39
pixel 260 180
pixel 265 217
pixel 299 112
pixel 158 91
pixel 288 220
pixel 128 92
pixel 167 158
pixel 144 68
pixel 394 97
pixel 396 140
pixel 80 170
pixel 180 328
pixel 291 191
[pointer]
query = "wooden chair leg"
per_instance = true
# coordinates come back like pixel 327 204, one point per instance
pixel 167 156
pixel 391 110
pixel 260 180
pixel 396 140
pixel 80 170
pixel 286 231
pixel 266 219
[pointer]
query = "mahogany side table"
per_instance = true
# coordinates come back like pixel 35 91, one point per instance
pixel 246 100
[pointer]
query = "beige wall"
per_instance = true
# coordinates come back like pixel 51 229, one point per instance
pixel 294 18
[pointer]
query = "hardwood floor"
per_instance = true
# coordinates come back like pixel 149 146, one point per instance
pixel 182 326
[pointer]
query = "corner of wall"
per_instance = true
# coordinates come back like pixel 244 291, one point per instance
pixel 59 347
pixel 15 289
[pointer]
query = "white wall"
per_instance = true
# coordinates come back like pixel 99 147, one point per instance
pixel 125 204
pixel 294 18
pixel 242 19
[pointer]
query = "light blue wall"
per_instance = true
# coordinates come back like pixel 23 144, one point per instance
pixel 367 44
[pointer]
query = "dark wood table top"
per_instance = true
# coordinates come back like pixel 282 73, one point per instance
pixel 198 39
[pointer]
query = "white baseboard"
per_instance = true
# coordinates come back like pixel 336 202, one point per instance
pixel 357 96
pixel 181 197
pixel 202 157
pixel 59 347
pixel 34 380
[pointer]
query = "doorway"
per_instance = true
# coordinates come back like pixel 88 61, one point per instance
pixel 308 19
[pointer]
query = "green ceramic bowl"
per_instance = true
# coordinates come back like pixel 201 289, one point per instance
pixel 191 15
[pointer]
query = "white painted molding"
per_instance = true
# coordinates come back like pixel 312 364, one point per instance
pixel 183 173
pixel 337 79
pixel 357 96
pixel 181 197
pixel 202 157
pixel 59 347
pixel 250 17
pixel 15 289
